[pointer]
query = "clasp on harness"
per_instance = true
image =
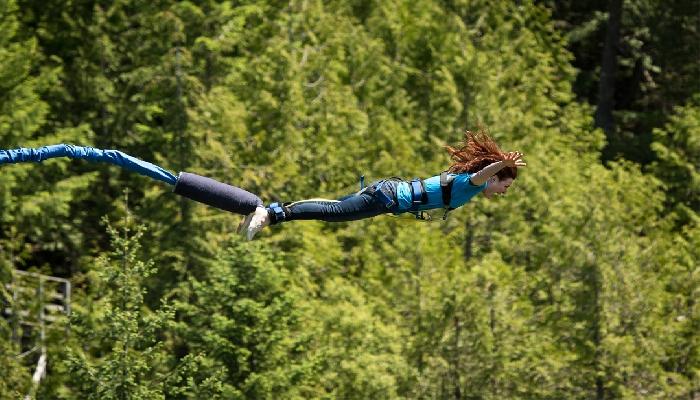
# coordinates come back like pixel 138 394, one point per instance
pixel 422 215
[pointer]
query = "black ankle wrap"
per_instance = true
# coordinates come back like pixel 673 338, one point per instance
pixel 277 212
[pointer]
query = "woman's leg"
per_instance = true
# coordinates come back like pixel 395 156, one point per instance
pixel 379 198
pixel 349 209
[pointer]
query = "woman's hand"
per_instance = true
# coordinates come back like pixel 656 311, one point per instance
pixel 514 159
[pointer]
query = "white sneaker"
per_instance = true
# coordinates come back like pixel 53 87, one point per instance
pixel 260 219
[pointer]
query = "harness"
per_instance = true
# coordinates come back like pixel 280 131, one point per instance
pixel 419 196
pixel 446 181
pixel 376 191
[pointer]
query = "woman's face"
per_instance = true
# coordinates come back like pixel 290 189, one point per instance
pixel 497 186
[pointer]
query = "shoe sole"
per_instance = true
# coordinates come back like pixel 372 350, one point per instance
pixel 243 226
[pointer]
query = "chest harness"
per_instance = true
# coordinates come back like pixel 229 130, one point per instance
pixel 419 196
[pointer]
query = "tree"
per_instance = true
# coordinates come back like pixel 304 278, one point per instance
pixel 677 147
pixel 682 312
pixel 16 377
pixel 656 68
pixel 117 349
pixel 240 315
pixel 606 86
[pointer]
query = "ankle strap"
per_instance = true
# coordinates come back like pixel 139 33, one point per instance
pixel 277 213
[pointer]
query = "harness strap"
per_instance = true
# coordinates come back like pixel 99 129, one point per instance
pixel 446 181
pixel 418 194
pixel 376 192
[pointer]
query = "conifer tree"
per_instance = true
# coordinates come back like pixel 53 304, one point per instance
pixel 677 148
pixel 117 349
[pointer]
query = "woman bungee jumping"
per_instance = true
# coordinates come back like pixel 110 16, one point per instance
pixel 478 166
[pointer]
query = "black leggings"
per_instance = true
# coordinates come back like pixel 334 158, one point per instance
pixel 349 208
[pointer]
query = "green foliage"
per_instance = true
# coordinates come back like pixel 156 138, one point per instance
pixel 338 323
pixel 33 215
pixel 657 67
pixel 576 285
pixel 118 350
pixel 682 347
pixel 240 316
pixel 249 317
pixel 677 148
pixel 16 378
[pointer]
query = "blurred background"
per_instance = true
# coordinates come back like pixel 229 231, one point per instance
pixel 581 283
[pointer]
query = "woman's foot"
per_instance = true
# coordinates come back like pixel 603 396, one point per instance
pixel 254 223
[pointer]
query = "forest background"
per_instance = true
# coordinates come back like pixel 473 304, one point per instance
pixel 581 283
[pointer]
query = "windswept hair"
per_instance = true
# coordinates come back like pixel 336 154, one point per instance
pixel 476 152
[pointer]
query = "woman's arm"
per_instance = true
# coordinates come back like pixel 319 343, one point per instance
pixel 513 159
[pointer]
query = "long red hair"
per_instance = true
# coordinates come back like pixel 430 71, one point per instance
pixel 476 152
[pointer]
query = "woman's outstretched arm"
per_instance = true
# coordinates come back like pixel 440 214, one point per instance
pixel 513 159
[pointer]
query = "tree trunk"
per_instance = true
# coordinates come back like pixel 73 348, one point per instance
pixel 468 240
pixel 606 85
pixel 455 364
pixel 597 339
